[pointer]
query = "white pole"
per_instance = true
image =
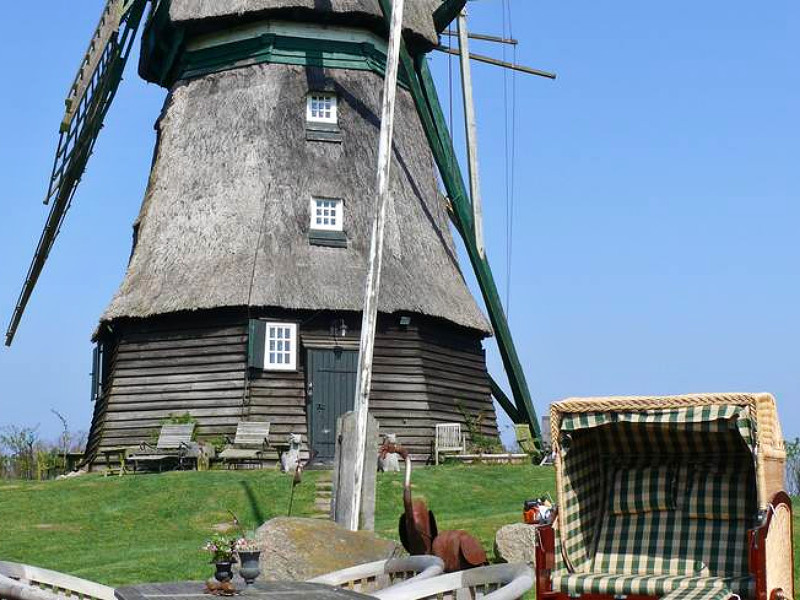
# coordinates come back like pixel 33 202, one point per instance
pixel 370 316
pixel 472 132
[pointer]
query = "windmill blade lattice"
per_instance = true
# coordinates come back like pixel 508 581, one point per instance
pixel 87 103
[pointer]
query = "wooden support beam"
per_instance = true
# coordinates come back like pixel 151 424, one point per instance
pixel 504 402
pixel 499 63
pixel 471 127
pixel 373 285
pixel 454 184
pixel 434 124
pixel 447 11
pixel 485 38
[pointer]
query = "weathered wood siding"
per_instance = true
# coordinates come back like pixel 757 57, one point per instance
pixel 427 373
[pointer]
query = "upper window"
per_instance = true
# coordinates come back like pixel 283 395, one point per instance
pixel 281 347
pixel 321 108
pixel 327 214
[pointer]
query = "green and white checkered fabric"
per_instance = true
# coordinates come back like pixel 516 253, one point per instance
pixel 717 491
pixel 671 543
pixel 583 493
pixel 650 585
pixel 700 418
pixel 646 539
pixel 700 594
pixel 643 489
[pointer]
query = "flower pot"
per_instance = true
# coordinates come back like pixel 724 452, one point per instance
pixel 250 568
pixel 224 571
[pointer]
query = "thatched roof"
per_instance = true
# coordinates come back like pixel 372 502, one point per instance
pixel 225 220
pixel 418 13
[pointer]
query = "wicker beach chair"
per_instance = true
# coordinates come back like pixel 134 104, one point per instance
pixel 678 498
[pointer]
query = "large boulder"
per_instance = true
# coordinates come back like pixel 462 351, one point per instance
pixel 295 549
pixel 516 543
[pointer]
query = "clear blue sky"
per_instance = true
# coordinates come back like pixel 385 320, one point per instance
pixel 656 211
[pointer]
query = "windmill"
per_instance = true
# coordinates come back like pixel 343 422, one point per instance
pixel 243 295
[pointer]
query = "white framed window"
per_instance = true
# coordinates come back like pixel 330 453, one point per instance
pixel 280 346
pixel 322 108
pixel 327 214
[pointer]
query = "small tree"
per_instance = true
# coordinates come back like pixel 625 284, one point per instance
pixel 19 443
pixel 65 439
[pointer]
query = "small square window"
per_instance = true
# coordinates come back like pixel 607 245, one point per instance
pixel 280 354
pixel 322 108
pixel 327 214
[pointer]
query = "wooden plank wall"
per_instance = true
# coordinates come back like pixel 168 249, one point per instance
pixel 173 366
pixel 427 374
pixel 424 374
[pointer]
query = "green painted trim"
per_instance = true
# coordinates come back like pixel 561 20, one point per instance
pixel 330 239
pixel 162 44
pixel 283 49
pixel 423 90
pixel 447 11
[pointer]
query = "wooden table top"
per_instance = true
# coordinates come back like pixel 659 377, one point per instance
pixel 261 590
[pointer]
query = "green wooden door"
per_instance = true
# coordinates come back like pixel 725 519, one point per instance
pixel 331 393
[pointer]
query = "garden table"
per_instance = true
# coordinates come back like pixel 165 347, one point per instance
pixel 261 590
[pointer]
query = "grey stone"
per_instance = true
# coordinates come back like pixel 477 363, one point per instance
pixel 516 543
pixel 295 549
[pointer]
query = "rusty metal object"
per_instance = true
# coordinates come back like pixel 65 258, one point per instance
pixel 459 551
pixel 419 533
pixel 417 526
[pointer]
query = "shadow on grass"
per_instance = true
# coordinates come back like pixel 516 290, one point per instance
pixel 255 509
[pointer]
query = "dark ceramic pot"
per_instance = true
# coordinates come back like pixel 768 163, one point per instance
pixel 250 568
pixel 224 571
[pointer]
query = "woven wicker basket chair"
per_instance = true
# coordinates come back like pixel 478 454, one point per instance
pixel 678 498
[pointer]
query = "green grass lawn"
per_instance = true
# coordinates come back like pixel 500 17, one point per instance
pixel 149 528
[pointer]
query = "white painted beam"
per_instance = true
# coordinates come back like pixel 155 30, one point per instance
pixel 373 284
pixel 472 133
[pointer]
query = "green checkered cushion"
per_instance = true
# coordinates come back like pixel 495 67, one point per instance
pixel 639 489
pixel 575 584
pixel 671 543
pixel 717 492
pixel 700 594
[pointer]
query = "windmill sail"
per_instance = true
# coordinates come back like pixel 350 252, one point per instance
pixel 87 103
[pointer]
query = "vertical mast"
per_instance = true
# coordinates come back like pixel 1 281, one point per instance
pixel 370 315
pixel 472 132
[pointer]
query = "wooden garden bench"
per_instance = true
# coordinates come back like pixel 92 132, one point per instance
pixel 173 446
pixel 448 439
pixel 249 444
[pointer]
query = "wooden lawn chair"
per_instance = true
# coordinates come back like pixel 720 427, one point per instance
pixel 381 574
pixel 249 444
pixel 448 439
pixel 174 445
pixel 671 498
pixel 23 582
pixel 495 582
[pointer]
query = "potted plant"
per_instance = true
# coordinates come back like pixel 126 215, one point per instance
pixel 249 554
pixel 221 549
